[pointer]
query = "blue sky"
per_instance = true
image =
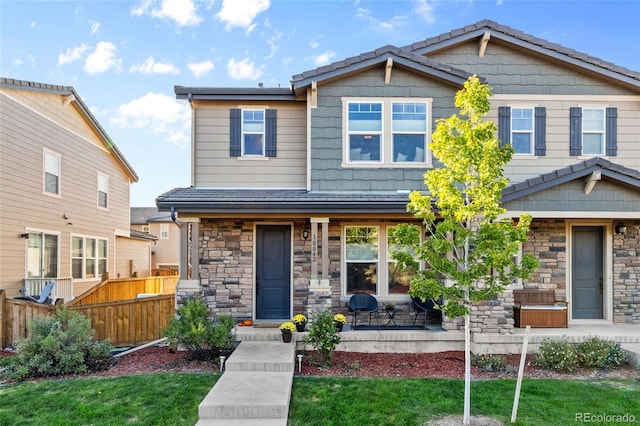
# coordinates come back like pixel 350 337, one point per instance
pixel 125 57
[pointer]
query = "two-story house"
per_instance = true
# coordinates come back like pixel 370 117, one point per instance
pixel 295 190
pixel 165 253
pixel 64 192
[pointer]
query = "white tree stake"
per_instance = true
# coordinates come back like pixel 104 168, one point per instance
pixel 523 357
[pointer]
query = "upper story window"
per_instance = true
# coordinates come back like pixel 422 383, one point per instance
pixel 522 130
pixel 164 231
pixel 51 172
pixel 386 131
pixel 252 132
pixel 145 228
pixel 103 190
pixel 593 131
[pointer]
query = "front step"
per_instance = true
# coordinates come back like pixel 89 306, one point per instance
pixel 633 353
pixel 262 356
pixel 248 395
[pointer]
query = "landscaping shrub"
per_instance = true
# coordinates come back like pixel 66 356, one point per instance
pixel 489 362
pixel 323 336
pixel 557 354
pixel 202 337
pixel 596 352
pixel 58 344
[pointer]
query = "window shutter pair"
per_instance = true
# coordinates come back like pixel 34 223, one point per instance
pixel 235 132
pixel 540 128
pixel 575 133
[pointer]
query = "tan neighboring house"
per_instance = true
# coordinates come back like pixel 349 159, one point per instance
pixel 165 253
pixel 64 192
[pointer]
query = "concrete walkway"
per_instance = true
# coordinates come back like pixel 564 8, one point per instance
pixel 255 388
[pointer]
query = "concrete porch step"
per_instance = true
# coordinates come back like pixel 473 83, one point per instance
pixel 248 395
pixel 262 356
pixel 633 353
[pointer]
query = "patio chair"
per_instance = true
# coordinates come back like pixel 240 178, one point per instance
pixel 363 303
pixel 428 307
pixel 45 294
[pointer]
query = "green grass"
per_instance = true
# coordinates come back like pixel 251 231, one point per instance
pixel 173 398
pixel 153 399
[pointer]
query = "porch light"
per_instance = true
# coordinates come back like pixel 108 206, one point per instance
pixel 25 235
pixel 305 234
pixel 621 229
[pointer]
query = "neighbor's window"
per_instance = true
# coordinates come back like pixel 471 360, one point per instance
pixel 522 130
pixel 103 190
pixel 364 127
pixel 409 128
pixel 253 132
pixel 593 131
pixel 361 255
pixel 51 172
pixel 164 231
pixel 88 257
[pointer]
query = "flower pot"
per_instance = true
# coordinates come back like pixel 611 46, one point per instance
pixel 300 326
pixel 287 337
pixel 339 326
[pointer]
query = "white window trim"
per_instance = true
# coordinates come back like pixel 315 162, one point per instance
pixel 46 151
pixel 264 133
pixel 386 138
pixel 603 146
pixel 163 227
pixel 532 132
pixel 84 256
pixel 383 259
pixel 102 175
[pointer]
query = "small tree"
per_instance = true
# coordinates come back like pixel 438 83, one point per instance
pixel 324 337
pixel 470 248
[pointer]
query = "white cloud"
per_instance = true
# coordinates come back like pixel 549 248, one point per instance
pixel 241 13
pixel 182 12
pixel 314 44
pixel 378 25
pixel 103 59
pixel 425 11
pixel 273 43
pixel 95 26
pixel 150 66
pixel 32 24
pixel 200 68
pixel 243 70
pixel 17 62
pixel 323 58
pixel 72 54
pixel 158 114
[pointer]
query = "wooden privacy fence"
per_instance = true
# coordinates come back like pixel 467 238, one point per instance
pixel 128 312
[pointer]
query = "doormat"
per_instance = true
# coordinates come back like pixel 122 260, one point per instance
pixel 266 324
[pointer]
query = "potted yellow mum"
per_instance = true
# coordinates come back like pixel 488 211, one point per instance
pixel 300 321
pixel 287 328
pixel 339 320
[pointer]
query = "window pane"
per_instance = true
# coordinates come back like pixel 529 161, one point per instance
pixel 252 121
pixel 102 199
pixel 76 268
pixel 76 247
pixel 398 279
pixel 34 256
pixel 521 143
pixel 102 248
pixel 91 247
pixel 365 117
pixel 592 143
pixel 592 120
pixel 408 148
pixel 51 163
pixel 362 277
pixel 91 268
pixel 253 144
pixel 102 266
pixel 50 254
pixel 409 117
pixel 364 148
pixel 361 243
pixel 522 119
pixel 51 183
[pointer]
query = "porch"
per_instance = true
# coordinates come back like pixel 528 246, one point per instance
pixel 437 340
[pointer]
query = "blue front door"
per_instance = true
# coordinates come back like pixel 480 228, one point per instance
pixel 273 272
pixel 587 272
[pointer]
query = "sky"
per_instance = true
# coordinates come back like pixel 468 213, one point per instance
pixel 125 57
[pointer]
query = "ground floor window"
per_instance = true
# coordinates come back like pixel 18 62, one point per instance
pixel 88 257
pixel 369 266
pixel 42 255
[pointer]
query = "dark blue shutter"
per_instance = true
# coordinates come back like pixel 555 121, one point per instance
pixel 235 132
pixel 271 131
pixel 540 147
pixel 504 125
pixel 575 131
pixel 612 131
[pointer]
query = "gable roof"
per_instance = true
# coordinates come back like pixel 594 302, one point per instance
pixel 523 40
pixel 377 57
pixel 616 172
pixel 10 83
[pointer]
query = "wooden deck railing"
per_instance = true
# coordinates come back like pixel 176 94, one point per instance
pixel 114 308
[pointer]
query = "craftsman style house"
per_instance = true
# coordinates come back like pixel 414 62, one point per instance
pixel 295 191
pixel 64 193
